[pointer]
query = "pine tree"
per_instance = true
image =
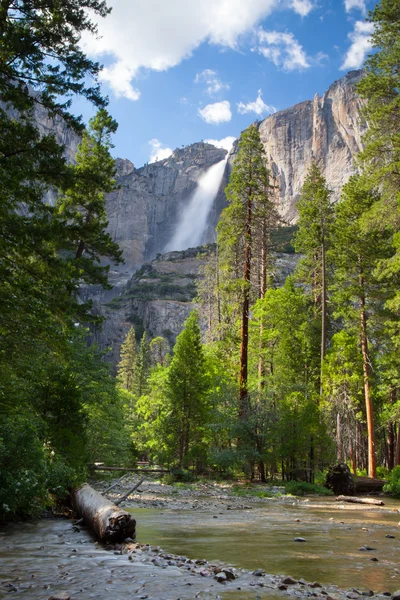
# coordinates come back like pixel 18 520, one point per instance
pixel 312 239
pixel 82 208
pixel 142 367
pixel 247 195
pixel 127 364
pixel 187 387
pixel 357 295
pixel 381 88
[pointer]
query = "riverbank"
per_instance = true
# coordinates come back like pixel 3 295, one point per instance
pixel 50 557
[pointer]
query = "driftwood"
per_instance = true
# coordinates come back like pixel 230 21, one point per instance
pixel 360 500
pixel 125 496
pixel 110 523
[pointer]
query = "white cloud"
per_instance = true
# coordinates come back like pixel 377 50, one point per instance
pixel 213 83
pixel 355 4
pixel 219 112
pixel 302 7
pixel 226 142
pixel 258 106
pixel 158 151
pixel 118 76
pixel 360 45
pixel 282 49
pixel 158 35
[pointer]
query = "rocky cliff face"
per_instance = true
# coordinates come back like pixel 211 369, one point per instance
pixel 144 212
pixel 327 129
pixel 158 298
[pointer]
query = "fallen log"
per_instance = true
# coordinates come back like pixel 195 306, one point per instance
pixel 125 496
pixel 360 500
pixel 109 523
pixel 368 485
pixel 128 470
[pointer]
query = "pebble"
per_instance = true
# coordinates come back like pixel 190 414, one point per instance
pixel 366 549
pixel 391 537
pixel 221 577
pixel 299 539
pixel 60 596
pixel 259 573
pixel 396 595
pixel 289 580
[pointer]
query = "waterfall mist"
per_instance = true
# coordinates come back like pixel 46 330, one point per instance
pixel 192 223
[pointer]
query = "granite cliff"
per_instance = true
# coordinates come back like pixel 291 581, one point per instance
pixel 327 129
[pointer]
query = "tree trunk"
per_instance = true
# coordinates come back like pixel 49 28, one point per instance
pixel 390 446
pixel 397 455
pixel 339 440
pixel 263 289
pixel 108 522
pixel 323 313
pixel 367 387
pixel 244 334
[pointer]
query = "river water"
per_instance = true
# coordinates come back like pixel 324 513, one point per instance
pixel 40 558
pixel 263 537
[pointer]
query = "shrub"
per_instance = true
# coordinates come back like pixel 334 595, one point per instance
pixel 302 488
pixel 393 484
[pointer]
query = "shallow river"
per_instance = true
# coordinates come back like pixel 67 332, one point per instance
pixel 40 558
pixel 264 538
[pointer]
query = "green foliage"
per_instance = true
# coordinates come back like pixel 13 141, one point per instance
pixel 381 88
pixel 393 484
pixel 31 475
pixel 282 239
pixel 175 410
pixel 302 488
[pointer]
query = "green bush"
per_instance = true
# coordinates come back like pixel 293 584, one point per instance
pixel 302 488
pixel 183 475
pixel 32 477
pixel 393 484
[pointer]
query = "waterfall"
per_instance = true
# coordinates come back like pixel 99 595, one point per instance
pixel 192 223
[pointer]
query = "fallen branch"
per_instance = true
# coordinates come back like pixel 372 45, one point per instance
pixel 128 470
pixel 113 485
pixel 135 487
pixel 360 500
pixel 110 523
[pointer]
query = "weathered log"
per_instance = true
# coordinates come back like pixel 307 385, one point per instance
pixel 110 523
pixel 360 500
pixel 125 496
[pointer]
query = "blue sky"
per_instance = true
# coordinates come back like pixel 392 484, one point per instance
pixel 181 71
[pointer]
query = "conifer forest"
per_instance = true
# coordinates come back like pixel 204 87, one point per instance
pixel 265 381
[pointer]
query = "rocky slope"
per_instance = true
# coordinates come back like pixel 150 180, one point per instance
pixel 159 297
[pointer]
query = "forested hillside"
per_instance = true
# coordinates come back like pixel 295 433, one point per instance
pixel 284 381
